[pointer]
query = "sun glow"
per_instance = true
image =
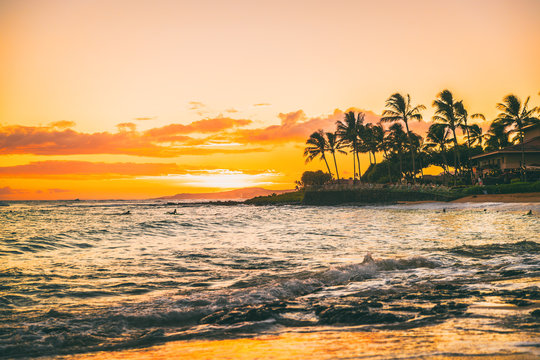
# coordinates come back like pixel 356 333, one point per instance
pixel 219 179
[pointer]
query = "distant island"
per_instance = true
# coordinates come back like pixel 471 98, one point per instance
pixel 237 194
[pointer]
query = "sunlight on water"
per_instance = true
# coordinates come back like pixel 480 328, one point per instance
pixel 80 276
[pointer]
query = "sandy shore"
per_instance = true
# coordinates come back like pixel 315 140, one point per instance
pixel 505 198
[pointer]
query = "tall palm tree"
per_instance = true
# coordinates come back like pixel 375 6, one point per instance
pixel 386 147
pixel 516 115
pixel 317 146
pixel 334 145
pixel 446 113
pixel 437 136
pixel 466 128
pixel 373 137
pixel 348 131
pixel 398 139
pixel 399 108
pixel 497 137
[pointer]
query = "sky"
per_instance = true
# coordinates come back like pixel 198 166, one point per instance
pixel 132 99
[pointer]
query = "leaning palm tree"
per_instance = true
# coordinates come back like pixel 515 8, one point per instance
pixel 317 146
pixel 437 136
pixel 446 113
pixel 347 130
pixel 334 145
pixel 399 108
pixel 516 115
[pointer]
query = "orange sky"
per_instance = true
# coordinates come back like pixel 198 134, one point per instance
pixel 137 99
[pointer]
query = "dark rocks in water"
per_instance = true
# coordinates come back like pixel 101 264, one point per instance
pixel 243 314
pixel 449 308
pixel 357 315
pixel 536 313
pixel 508 273
pixel 520 302
pixel 373 304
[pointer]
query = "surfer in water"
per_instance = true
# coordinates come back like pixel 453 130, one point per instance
pixel 126 213
pixel 173 212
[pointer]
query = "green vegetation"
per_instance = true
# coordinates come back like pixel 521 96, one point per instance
pixel 376 196
pixel 406 153
pixel 290 198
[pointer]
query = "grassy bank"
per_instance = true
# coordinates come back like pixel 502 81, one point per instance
pixel 373 196
pixel 387 195
pixel 290 198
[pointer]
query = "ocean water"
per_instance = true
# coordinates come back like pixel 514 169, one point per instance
pixel 80 277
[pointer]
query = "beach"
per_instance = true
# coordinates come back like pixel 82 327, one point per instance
pixel 503 198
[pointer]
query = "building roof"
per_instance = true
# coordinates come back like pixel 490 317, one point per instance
pixel 530 146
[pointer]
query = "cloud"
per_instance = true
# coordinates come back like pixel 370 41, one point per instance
pixel 129 126
pixel 196 105
pixel 62 124
pixel 202 126
pixel 65 168
pixel 231 110
pixel 295 127
pixel 262 104
pixel 6 190
pixel 143 118
pixel 46 140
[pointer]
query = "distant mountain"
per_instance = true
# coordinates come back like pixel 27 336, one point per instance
pixel 244 193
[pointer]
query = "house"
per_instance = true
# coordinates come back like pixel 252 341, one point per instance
pixel 509 158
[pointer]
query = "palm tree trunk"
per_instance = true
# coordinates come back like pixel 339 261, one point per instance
pixel 374 158
pixel 354 165
pixel 400 166
pixel 326 162
pixel 335 164
pixel 411 147
pixel 456 156
pixel 523 170
pixel 469 152
pixel 388 163
pixel 359 171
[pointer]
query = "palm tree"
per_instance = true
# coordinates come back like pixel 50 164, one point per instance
pixel 446 113
pixel 466 128
pixel 514 114
pixel 347 131
pixel 373 137
pixel 400 109
pixel 497 137
pixel 317 146
pixel 334 144
pixel 398 139
pixel 437 136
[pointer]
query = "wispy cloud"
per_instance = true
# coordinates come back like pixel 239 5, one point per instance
pixel 262 104
pixel 144 118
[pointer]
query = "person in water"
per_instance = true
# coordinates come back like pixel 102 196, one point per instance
pixel 126 213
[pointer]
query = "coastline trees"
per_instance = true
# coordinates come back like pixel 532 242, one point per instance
pixel 334 145
pixel 399 145
pixel 400 109
pixel 516 116
pixel 446 113
pixel 348 131
pixel 317 146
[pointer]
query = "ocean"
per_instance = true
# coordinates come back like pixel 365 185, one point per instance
pixel 82 279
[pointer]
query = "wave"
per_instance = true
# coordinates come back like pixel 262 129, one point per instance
pixel 489 250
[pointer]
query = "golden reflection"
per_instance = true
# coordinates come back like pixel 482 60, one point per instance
pixel 439 342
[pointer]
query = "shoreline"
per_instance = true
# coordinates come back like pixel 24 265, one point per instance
pixel 503 198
